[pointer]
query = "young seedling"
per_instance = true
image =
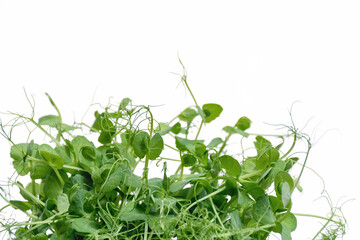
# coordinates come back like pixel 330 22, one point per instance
pixel 83 189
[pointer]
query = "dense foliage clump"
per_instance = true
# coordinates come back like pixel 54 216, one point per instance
pixel 84 189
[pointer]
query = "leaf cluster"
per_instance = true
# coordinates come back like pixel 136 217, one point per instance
pixel 82 189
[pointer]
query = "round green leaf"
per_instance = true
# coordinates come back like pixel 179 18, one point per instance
pixel 51 156
pixel 188 160
pixel 52 186
pixel 18 153
pixel 230 164
pixel 281 178
pixel 212 111
pixel 62 202
pixel 141 143
pixel 39 171
pixel 187 115
pixel 243 123
pixel 156 146
pixel 290 222
pixel 176 128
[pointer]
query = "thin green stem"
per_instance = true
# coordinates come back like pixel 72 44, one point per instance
pixel 175 149
pixel 146 231
pixel 188 88
pixel 303 167
pixel 58 176
pixel 197 135
pixel 216 213
pixel 206 197
pixel 319 217
pixel 184 79
pixel 170 159
pixel 224 144
pixel 67 167
pixel 29 194
pixel 291 148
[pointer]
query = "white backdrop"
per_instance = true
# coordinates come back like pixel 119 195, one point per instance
pixel 255 58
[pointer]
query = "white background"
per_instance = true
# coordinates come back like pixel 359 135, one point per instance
pixel 255 58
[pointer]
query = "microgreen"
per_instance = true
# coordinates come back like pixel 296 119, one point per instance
pixel 81 189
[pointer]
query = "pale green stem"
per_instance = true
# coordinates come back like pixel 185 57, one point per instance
pixel 316 216
pixel 33 198
pixel 216 213
pixel 224 143
pixel 197 135
pixel 58 175
pixel 206 197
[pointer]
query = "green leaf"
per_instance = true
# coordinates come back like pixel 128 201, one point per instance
pixel 233 130
pixel 50 120
pixel 188 115
pixel 176 186
pixel 214 143
pixel 285 193
pixel 243 123
pixel 39 171
pixel 124 103
pixel 188 160
pixel 267 156
pixel 162 224
pixel 18 154
pixel 122 175
pixel 276 204
pixel 40 236
pixel 84 225
pixel 230 164
pixel 87 159
pixel 106 127
pixel 163 129
pixel 262 211
pixel 200 149
pixel 62 202
pixel 30 148
pixel 63 226
pixel 176 129
pixel 75 182
pixel 52 186
pixel 212 111
pixel 65 153
pixel 290 222
pixel 77 202
pixel 186 145
pixel 231 186
pixel 130 213
pixel 235 220
pixel 288 225
pixel 284 184
pixel 50 155
pixel 54 121
pixel 22 205
pixel 261 144
pixel 156 146
pixel 141 144
pixel 78 143
pixel 243 199
pixel 29 189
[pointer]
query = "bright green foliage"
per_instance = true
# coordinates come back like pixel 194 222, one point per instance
pixel 81 189
pixel 243 123
pixel 211 111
